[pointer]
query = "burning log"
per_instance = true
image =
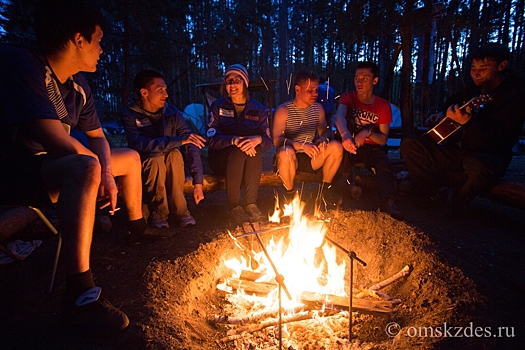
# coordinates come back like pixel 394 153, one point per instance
pixel 250 287
pixel 374 293
pixel 256 317
pixel 272 322
pixel 380 285
pixel 341 303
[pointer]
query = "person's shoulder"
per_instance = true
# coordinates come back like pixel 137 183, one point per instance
pixel 381 100
pixel 172 110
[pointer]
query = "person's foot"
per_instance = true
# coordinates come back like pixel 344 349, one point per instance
pixel 238 216
pixel 254 212
pixel 391 209
pixel 158 220
pixel 150 235
pixel 433 200
pixel 330 198
pixel 92 315
pixel 186 219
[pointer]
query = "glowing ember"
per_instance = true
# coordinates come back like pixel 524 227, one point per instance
pixel 305 259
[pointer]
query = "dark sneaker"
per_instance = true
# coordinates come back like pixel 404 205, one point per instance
pixel 186 219
pixel 391 209
pixel 148 236
pixel 158 220
pixel 435 200
pixel 254 212
pixel 237 216
pixel 92 315
pixel 330 198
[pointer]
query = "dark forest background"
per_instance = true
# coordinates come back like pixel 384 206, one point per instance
pixel 421 46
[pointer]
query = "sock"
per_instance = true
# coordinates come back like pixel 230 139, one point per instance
pixel 137 227
pixel 76 284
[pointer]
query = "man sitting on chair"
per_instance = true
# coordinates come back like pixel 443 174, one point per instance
pixel 42 96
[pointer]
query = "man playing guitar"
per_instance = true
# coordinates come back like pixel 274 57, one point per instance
pixel 479 152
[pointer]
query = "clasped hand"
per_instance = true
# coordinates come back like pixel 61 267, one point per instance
pixel 247 144
pixel 194 139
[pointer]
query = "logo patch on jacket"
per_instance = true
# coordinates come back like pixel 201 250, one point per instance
pixel 143 122
pixel 255 118
pixel 228 113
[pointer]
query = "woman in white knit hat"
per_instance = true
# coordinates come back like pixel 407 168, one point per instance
pixel 238 134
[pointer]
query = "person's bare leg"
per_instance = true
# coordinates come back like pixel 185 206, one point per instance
pixel 330 159
pixel 286 166
pixel 73 182
pixel 175 181
pixel 125 163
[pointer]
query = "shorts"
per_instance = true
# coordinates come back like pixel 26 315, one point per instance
pixel 304 163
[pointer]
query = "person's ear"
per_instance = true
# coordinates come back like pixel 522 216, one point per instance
pixel 376 79
pixel 143 92
pixel 503 65
pixel 78 39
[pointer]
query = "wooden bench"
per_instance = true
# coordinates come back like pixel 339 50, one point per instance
pixel 504 192
pixel 213 183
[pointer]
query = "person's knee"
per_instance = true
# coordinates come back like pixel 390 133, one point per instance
pixel 335 149
pixel 409 145
pixel 285 157
pixel 85 170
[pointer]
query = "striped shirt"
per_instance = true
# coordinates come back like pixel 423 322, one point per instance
pixel 301 124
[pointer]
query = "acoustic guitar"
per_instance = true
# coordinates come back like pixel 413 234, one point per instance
pixel 447 126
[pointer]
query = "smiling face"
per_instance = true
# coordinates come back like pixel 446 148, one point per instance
pixel 364 81
pixel 306 93
pixel 90 51
pixel 234 86
pixel 154 97
pixel 486 72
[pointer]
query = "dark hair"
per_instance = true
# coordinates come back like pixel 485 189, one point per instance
pixel 495 51
pixel 143 80
pixel 369 65
pixel 304 75
pixel 57 22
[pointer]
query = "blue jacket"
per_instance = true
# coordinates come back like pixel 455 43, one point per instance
pixel 151 134
pixel 224 125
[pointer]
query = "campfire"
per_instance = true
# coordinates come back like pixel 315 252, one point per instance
pixel 294 288
pixel 404 287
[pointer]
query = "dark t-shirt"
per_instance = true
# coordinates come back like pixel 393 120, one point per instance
pixel 27 88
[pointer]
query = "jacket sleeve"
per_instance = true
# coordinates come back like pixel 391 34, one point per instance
pixel 216 137
pixel 141 143
pixel 266 142
pixel 190 152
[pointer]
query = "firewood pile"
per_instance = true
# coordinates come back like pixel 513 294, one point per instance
pixel 320 322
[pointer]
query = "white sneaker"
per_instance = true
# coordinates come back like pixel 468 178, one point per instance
pixel 186 219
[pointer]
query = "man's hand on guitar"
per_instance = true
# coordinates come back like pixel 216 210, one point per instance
pixel 458 114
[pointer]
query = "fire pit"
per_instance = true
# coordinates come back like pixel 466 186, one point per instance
pixel 225 294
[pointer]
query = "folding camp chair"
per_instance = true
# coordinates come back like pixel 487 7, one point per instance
pixel 25 219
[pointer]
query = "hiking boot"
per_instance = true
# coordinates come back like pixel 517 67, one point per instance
pixel 254 212
pixel 92 315
pixel 391 209
pixel 158 220
pixel 186 219
pixel 237 216
pixel 148 236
